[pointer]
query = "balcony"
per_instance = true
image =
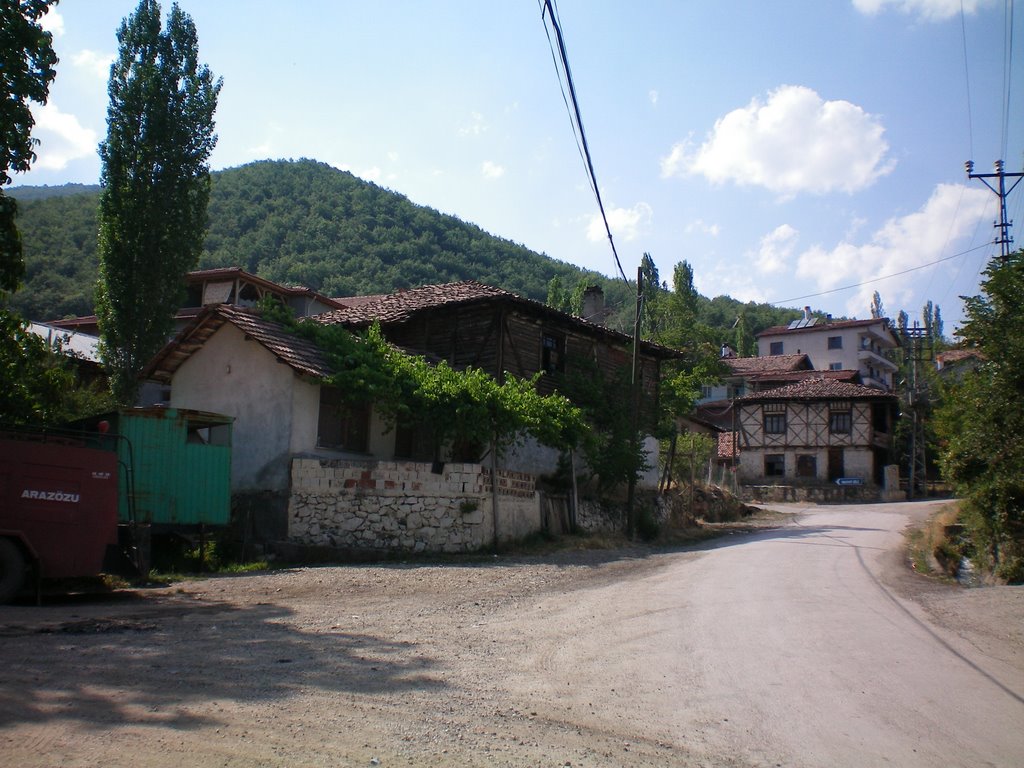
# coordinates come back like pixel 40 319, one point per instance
pixel 868 357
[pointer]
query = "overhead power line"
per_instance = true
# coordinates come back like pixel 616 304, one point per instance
pixel 883 277
pixel 561 60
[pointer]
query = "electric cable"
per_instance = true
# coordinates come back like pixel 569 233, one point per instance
pixel 882 277
pixel 967 82
pixel 547 11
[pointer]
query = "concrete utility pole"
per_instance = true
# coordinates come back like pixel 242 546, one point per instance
pixel 1003 237
pixel 917 399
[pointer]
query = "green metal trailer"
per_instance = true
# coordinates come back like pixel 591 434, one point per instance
pixel 175 466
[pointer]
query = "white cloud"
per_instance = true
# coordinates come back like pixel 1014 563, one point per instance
pixel 371 174
pixel 625 223
pixel 474 127
pixel 96 64
pixel 492 170
pixel 776 250
pixel 393 156
pixel 792 142
pixel 902 243
pixel 930 10
pixel 653 96
pixel 61 137
pixel 53 23
pixel 702 227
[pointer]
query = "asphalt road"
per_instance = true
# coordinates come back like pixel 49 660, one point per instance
pixel 811 645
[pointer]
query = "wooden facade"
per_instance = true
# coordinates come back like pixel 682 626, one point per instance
pixel 472 325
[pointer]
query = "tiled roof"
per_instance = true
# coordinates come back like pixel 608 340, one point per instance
pixel 958 355
pixel 727 447
pixel 819 388
pixel 746 366
pixel 853 376
pixel 401 307
pixel 302 356
pixel 828 325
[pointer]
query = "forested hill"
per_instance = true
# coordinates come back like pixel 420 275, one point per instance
pixel 306 223
pixel 297 223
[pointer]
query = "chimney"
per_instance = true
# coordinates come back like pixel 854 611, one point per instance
pixel 727 351
pixel 807 313
pixel 593 304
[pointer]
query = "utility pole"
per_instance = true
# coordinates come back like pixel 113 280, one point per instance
pixel 634 395
pixel 1003 238
pixel 917 400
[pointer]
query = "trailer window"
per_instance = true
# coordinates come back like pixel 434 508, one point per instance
pixel 204 433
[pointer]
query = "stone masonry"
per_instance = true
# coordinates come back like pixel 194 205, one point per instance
pixel 406 506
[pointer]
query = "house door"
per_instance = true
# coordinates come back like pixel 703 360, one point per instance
pixel 806 466
pixel 835 463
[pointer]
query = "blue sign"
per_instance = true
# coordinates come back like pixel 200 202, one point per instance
pixel 850 481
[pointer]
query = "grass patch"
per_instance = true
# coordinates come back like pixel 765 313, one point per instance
pixel 937 547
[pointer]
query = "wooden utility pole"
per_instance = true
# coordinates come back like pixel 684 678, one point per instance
pixel 634 394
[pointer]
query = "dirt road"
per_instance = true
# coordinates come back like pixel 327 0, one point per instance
pixel 808 645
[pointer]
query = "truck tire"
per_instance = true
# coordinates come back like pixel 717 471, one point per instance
pixel 12 570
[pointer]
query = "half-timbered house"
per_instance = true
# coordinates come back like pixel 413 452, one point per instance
pixel 812 432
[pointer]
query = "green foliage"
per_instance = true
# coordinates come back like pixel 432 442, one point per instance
pixel 27 64
pixel 40 383
pixel 981 422
pixel 611 446
pixel 465 409
pixel 156 186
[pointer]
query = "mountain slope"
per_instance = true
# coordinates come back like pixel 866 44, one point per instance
pixel 306 223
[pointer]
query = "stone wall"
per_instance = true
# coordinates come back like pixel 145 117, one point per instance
pixel 407 506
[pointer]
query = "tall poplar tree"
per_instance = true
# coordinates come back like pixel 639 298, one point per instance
pixel 156 186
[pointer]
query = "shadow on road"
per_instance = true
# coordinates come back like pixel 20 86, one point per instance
pixel 154 663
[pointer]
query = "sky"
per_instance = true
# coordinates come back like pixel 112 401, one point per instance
pixel 793 152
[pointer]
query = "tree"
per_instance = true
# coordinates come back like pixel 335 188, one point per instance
pixel 27 64
pixel 877 310
pixel 981 422
pixel 156 186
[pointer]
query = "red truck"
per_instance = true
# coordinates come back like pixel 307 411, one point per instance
pixel 58 508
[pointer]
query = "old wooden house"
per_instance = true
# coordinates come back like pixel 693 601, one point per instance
pixel 469 324
pixel 815 431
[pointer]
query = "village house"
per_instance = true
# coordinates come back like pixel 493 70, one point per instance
pixel 837 345
pixel 330 476
pixel 814 432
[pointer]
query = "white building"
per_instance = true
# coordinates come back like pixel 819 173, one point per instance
pixel 837 345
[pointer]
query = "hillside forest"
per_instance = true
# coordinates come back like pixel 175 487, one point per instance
pixel 305 223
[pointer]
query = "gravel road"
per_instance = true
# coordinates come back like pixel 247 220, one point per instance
pixel 808 645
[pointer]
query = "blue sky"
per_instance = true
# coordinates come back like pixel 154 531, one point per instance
pixel 782 148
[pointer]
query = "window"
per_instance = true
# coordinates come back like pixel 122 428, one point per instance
pixel 835 342
pixel 775 465
pixel 342 426
pixel 835 366
pixel 774 415
pixel 775 348
pixel 706 391
pixel 552 353
pixel 840 422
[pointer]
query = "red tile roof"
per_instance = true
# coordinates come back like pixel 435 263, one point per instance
pixel 302 356
pixel 401 307
pixel 819 388
pixel 746 366
pixel 852 376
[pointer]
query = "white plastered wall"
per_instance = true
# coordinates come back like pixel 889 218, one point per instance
pixel 240 378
